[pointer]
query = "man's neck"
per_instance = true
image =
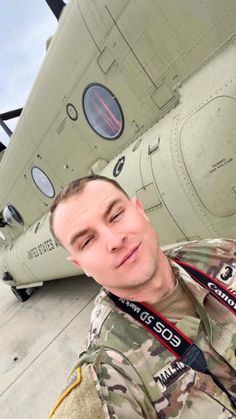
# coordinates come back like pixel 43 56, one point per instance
pixel 163 283
pixel 157 288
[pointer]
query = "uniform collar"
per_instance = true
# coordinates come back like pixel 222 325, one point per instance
pixel 198 294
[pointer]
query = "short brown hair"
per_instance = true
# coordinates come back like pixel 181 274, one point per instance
pixel 75 188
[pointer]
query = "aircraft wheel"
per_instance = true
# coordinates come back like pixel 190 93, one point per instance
pixel 21 294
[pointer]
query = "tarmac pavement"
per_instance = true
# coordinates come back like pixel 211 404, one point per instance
pixel 39 344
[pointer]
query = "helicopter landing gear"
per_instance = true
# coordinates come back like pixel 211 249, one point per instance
pixel 21 294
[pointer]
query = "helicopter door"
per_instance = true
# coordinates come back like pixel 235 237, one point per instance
pixel 153 201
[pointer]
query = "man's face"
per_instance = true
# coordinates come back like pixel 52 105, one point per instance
pixel 109 237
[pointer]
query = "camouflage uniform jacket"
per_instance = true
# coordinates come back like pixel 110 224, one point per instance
pixel 137 377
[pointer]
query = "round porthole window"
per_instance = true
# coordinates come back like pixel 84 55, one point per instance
pixel 42 182
pixel 72 111
pixel 103 112
pixel 12 216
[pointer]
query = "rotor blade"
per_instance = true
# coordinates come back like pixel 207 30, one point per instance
pixel 5 127
pixel 11 114
pixel 2 146
pixel 56 7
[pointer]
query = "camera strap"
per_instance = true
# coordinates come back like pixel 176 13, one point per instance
pixel 169 335
pixel 215 287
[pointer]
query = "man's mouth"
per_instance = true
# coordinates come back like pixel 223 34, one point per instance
pixel 130 256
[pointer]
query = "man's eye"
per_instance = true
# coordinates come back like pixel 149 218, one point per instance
pixel 116 216
pixel 86 242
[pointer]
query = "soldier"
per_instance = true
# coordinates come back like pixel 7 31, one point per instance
pixel 163 338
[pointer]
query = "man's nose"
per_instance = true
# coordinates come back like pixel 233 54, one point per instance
pixel 114 240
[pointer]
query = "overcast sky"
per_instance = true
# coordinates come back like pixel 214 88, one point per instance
pixel 25 27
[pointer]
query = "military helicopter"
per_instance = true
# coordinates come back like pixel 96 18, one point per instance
pixel 140 91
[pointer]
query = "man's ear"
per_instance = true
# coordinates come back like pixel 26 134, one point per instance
pixel 74 261
pixel 139 206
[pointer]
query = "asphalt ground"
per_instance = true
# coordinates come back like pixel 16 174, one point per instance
pixel 39 343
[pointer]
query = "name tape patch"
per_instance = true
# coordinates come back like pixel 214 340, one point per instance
pixel 170 374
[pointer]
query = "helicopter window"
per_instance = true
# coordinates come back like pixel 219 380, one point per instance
pixel 2 236
pixel 103 111
pixel 42 182
pixel 11 215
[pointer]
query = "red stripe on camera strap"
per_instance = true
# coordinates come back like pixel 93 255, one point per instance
pixel 160 327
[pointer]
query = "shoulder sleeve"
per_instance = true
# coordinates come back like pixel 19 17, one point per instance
pixel 101 391
pixel 217 257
